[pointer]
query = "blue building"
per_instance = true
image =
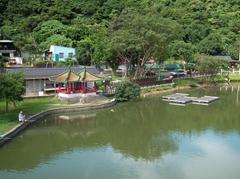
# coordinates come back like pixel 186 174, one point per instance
pixel 60 53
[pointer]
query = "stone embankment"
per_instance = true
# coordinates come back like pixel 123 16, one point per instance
pixel 58 110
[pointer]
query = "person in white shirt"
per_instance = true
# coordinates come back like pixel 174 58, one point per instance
pixel 21 117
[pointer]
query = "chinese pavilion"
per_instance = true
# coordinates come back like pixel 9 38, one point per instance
pixel 70 84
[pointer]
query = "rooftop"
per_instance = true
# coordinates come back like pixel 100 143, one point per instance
pixel 68 75
pixel 6 41
pixel 45 73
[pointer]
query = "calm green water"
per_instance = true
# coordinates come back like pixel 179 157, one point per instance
pixel 148 139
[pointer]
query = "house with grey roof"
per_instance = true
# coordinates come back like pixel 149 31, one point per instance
pixel 37 79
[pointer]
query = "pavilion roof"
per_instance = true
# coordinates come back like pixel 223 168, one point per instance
pixel 87 76
pixel 66 76
pixel 70 76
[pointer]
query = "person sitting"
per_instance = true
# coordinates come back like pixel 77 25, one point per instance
pixel 227 80
pixel 21 117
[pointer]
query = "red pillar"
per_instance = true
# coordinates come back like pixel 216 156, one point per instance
pixel 95 86
pixel 71 87
pixel 83 87
pixel 67 86
pixel 59 88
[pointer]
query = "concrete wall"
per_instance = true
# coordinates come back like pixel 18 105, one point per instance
pixel 34 86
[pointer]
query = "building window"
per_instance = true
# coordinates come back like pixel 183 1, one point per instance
pixel 61 55
pixel 70 55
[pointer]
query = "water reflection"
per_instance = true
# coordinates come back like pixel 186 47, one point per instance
pixel 165 140
pixel 234 88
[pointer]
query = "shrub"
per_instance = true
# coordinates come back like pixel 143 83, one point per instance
pixel 126 91
pixel 100 86
pixel 40 63
pixel 60 64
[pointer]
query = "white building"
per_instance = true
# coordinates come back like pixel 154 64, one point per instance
pixel 8 49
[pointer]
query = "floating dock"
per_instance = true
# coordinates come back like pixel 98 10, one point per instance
pixel 205 100
pixel 174 96
pixel 182 99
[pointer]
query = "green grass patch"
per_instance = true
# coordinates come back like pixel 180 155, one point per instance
pixel 186 82
pixel 222 78
pixel 117 78
pixel 154 89
pixel 28 106
pixel 6 126
pixel 234 77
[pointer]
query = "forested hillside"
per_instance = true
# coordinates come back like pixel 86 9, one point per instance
pixel 113 30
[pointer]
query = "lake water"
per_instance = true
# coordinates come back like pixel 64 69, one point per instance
pixel 147 139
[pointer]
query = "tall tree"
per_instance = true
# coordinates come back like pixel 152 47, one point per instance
pixel 181 50
pixel 136 38
pixel 11 88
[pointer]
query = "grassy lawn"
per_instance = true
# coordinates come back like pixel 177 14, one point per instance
pixel 117 78
pixel 186 82
pixel 28 106
pixel 234 77
pixel 155 89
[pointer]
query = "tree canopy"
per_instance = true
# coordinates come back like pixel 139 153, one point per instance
pixel 106 31
pixel 11 88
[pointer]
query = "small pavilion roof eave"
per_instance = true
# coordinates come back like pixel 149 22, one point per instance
pixel 66 76
pixel 52 78
pixel 87 76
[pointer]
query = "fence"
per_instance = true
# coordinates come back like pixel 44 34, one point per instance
pixel 151 81
pixel 232 71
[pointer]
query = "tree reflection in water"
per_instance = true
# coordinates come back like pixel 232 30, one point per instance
pixel 143 130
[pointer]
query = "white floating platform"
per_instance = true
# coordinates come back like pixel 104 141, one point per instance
pixel 183 99
pixel 174 96
pixel 205 100
pixel 177 104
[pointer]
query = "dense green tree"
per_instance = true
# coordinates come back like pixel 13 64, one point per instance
pixel 212 45
pixel 11 88
pixel 135 38
pixel 212 26
pixel 181 50
pixel 209 65
pixel 56 40
pixel 49 28
pixel 85 52
pixel 3 60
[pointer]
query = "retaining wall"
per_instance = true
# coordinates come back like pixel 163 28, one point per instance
pixel 22 126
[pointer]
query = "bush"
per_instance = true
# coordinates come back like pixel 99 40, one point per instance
pixel 3 60
pixel 209 65
pixel 126 91
pixel 60 64
pixel 100 86
pixel 40 63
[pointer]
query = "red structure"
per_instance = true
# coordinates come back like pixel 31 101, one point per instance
pixel 70 83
